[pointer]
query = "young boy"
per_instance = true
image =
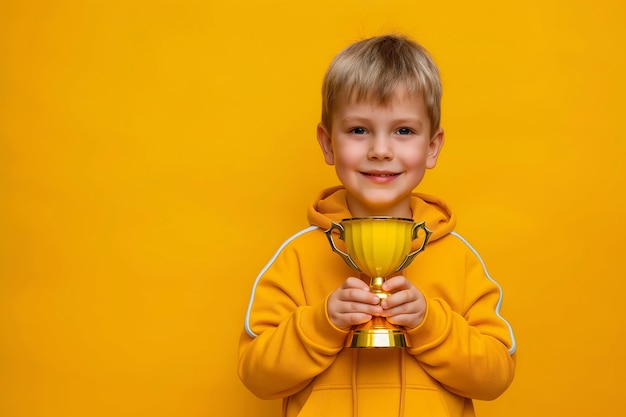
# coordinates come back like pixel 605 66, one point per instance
pixel 380 130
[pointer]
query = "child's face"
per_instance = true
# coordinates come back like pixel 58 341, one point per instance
pixel 380 152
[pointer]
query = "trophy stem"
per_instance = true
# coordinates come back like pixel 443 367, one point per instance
pixel 376 287
pixel 378 332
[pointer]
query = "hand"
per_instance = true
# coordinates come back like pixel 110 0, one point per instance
pixel 352 304
pixel 406 306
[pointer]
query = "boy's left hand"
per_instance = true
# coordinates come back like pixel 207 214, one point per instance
pixel 406 306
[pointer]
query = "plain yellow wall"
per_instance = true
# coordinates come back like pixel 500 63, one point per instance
pixel 154 154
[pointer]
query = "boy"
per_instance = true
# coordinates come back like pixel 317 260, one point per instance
pixel 380 130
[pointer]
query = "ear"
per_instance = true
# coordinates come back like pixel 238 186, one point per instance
pixel 323 138
pixel 434 148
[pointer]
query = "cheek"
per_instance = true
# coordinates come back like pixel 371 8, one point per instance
pixel 343 160
pixel 347 156
pixel 414 158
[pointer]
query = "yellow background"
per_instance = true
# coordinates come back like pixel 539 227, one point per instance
pixel 154 154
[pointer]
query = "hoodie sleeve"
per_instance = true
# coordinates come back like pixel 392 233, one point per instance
pixel 470 350
pixel 286 342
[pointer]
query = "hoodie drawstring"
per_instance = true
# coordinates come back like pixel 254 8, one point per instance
pixel 355 394
pixel 355 391
pixel 402 383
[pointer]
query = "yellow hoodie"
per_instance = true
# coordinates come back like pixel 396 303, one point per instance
pixel 290 349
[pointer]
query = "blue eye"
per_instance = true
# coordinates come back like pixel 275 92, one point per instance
pixel 358 131
pixel 404 131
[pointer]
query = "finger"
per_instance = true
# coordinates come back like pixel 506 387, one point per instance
pixel 406 320
pixel 354 282
pixel 401 298
pixel 361 308
pixel 399 309
pixel 397 283
pixel 356 318
pixel 359 296
pixel 345 320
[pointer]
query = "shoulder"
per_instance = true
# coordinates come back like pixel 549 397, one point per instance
pixel 301 240
pixel 463 243
pixel 454 248
pixel 452 241
pixel 311 233
pixel 303 234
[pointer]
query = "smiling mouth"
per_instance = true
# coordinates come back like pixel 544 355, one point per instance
pixel 380 174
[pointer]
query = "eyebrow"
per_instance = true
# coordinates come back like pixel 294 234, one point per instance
pixel 361 119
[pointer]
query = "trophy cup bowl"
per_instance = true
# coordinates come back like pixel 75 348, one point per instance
pixel 378 246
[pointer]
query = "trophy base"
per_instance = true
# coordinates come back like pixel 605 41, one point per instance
pixel 377 333
pixel 377 338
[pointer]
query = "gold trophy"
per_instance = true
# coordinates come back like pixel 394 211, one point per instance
pixel 378 246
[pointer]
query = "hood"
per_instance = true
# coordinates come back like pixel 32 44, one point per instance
pixel 331 206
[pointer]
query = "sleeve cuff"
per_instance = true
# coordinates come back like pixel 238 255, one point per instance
pixel 432 330
pixel 317 327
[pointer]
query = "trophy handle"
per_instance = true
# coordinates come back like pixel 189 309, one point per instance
pixel 344 256
pixel 414 233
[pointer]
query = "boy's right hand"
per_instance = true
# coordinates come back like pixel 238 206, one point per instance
pixel 352 304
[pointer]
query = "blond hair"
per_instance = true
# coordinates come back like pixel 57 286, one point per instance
pixel 375 68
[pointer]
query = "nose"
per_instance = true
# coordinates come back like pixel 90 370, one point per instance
pixel 380 148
